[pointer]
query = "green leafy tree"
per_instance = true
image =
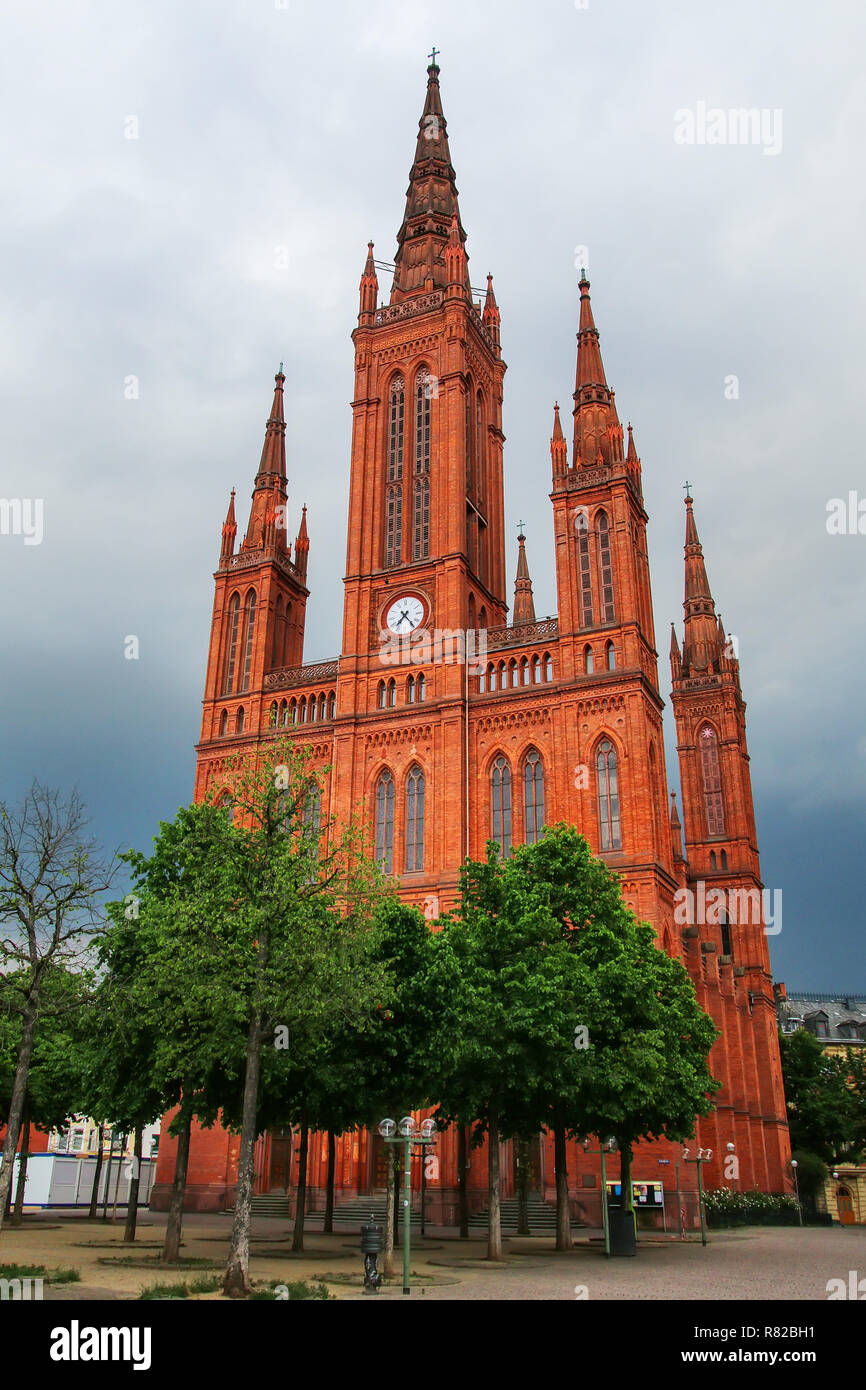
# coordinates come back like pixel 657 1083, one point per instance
pixel 262 925
pixel 824 1094
pixel 52 877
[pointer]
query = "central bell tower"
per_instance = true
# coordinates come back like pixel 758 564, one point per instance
pixel 425 498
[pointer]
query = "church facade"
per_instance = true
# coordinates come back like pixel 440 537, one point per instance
pixel 451 720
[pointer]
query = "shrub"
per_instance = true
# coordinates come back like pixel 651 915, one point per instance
pixel 725 1207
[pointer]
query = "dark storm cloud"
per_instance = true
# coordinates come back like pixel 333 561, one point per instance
pixel 272 142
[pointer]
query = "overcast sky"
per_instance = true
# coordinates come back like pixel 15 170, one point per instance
pixel 263 125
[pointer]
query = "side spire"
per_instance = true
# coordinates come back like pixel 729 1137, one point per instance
pixel 230 530
pixel 302 544
pixel 558 446
pixel 524 604
pixel 491 317
pixel 369 289
pixel 431 205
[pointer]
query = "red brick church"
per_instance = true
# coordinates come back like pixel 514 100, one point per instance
pixel 506 722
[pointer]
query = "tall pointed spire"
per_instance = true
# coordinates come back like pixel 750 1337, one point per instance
pixel 676 830
pixel 431 205
pixel 524 604
pixel 597 431
pixel 271 476
pixel 701 640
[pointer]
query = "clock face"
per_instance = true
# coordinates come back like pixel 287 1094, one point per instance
pixel 405 614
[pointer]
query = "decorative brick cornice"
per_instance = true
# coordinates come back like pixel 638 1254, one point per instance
pixel 421 304
pixel 498 637
pixel 289 676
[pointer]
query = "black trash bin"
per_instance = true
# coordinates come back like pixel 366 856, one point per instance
pixel 623 1240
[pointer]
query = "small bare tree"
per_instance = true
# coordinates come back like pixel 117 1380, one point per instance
pixel 51 879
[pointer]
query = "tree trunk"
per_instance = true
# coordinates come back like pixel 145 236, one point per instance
pixel 563 1211
pixel 16 1107
pixel 625 1160
pixel 94 1191
pixel 23 1156
pixel 494 1226
pixel 237 1277
pixel 301 1204
pixel 328 1226
pixel 462 1203
pixel 121 1151
pixel 388 1252
pixel 107 1191
pixel 521 1153
pixel 132 1199
pixel 174 1224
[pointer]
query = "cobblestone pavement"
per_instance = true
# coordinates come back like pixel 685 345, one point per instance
pixel 753 1264
pixel 760 1263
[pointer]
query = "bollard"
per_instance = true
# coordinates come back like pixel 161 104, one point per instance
pixel 372 1244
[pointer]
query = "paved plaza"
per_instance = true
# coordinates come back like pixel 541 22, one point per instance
pixel 759 1263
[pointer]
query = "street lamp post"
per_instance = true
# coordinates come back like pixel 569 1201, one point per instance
pixel 407 1134
pixel 704 1156
pixel 600 1151
pixel 794 1166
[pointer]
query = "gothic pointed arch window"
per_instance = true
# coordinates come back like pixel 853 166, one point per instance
pixel 410 690
pixel 232 646
pixel 605 568
pixel 277 638
pixel 394 492
pixel 284 713
pixel 332 705
pixel 322 704
pixel 224 723
pixel 708 743
pixel 302 708
pixel 239 720
pixel 293 711
pixel 611 656
pixel 467 430
pixel 392 693
pixel 588 660
pixel 607 785
pixel 421 503
pixel 533 796
pixel 249 626
pixel 272 713
pixel 480 447
pixel 312 814
pixel 381 695
pixel 548 666
pixel 524 670
pixel 415 820
pixel 384 811
pixel 500 805
pixel 584 568
pixel 421 687
pixel 471 623
pixel 515 672
pixel 421 491
pixel 536 670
